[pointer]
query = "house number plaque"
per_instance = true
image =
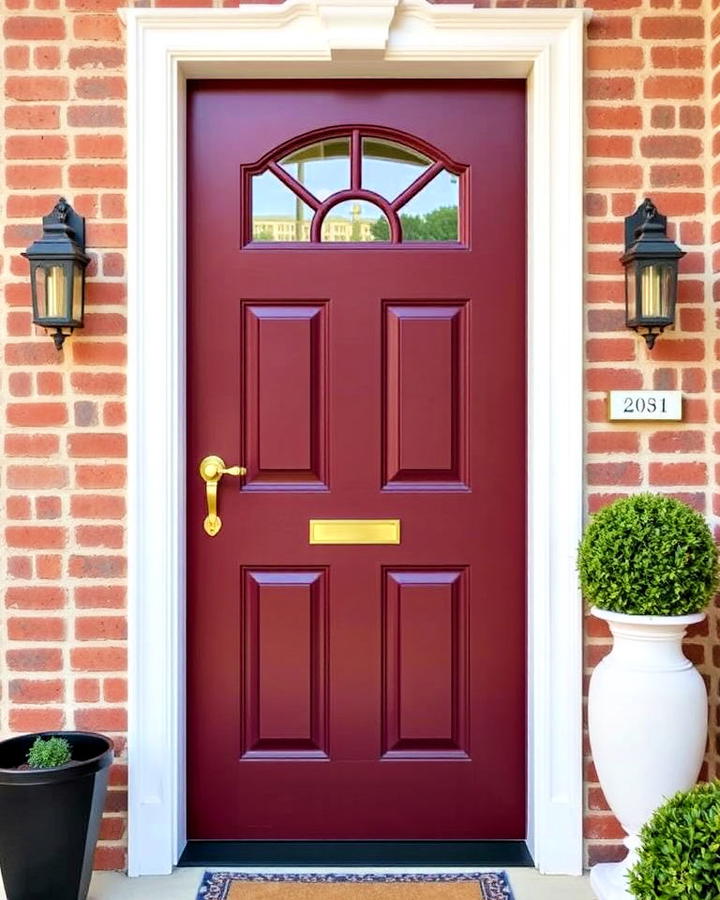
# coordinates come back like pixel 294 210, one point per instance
pixel 648 406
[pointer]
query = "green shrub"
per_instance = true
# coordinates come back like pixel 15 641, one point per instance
pixel 680 852
pixel 648 555
pixel 46 753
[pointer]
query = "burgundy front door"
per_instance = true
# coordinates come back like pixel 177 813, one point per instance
pixel 356 339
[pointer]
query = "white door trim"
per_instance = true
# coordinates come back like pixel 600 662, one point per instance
pixel 352 38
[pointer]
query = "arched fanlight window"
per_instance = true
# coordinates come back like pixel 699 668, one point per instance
pixel 356 186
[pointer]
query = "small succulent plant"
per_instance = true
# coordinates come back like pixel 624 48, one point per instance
pixel 48 753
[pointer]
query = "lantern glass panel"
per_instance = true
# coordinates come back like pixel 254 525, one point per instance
pixel 77 297
pixel 656 288
pixel 631 298
pixel 50 292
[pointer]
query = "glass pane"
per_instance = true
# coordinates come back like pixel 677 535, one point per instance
pixel 355 221
pixel 655 287
pixel 432 214
pixel 388 168
pixel 51 284
pixel 277 214
pixel 77 293
pixel 630 292
pixel 323 168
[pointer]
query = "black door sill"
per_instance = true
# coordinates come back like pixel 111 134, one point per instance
pixel 356 853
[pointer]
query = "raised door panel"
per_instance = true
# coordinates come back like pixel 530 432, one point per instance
pixel 425 664
pixel 285 404
pixel 425 419
pixel 285 660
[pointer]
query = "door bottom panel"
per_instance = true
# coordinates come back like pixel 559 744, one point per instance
pixel 354 853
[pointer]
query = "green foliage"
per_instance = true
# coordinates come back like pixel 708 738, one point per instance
pixel 680 852
pixel 648 555
pixel 440 224
pixel 46 753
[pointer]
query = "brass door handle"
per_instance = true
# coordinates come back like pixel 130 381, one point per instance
pixel 212 469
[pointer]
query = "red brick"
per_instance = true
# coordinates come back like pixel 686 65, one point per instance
pixel 32 117
pixel 106 476
pixel 111 537
pixel 48 507
pixel 35 629
pixel 627 473
pixel 97 566
pixel 662 117
pixel 600 118
pixel 677 176
pixel 613 57
pixel 104 383
pixel 115 690
pixel 607 88
pixel 674 87
pixel 112 828
pixel 110 87
pixel 47 57
pixel 97 506
pixel 97 28
pixel 17 508
pixel 25 690
pixel 604 28
pixel 19 567
pixel 104 235
pixel 87 690
pixel 37 445
pixel 37 477
pixel 39 415
pixel 17 57
pixel 671 146
pixel 97 445
pixel 34 177
pixel 33 597
pixel 49 566
pixel 96 57
pixel 613 442
pixel 682 350
pixel 613 379
pixel 97 353
pixel 614 176
pixel 97 176
pixel 36 87
pixel 610 349
pixel 672 27
pixel 34 659
pixel 103 146
pixel 100 628
pixel 36 147
pixel 31 720
pixel 678 473
pixel 100 597
pixel 102 116
pixel 603 827
pixel 98 659
pixel 35 537
pixel 677 57
pixel 109 859
pixel 34 28
pixel 101 719
pixel 609 146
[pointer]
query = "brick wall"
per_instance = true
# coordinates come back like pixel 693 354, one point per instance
pixel 651 129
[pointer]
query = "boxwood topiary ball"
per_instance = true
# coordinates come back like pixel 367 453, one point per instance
pixel 680 852
pixel 648 555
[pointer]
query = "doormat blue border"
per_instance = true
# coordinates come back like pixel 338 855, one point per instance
pixel 494 885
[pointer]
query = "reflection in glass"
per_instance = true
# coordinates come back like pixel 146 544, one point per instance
pixel 356 221
pixel 323 168
pixel 388 168
pixel 277 214
pixel 432 214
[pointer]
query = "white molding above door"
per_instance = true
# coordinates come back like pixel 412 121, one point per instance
pixel 369 39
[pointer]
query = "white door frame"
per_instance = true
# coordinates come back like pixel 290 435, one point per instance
pixel 352 38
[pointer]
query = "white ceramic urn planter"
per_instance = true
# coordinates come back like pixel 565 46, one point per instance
pixel 647 718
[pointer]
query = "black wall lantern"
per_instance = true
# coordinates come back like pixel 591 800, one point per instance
pixel 57 272
pixel 651 272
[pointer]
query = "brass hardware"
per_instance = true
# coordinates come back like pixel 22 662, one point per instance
pixel 212 469
pixel 354 531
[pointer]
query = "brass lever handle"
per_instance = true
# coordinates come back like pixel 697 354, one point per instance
pixel 212 469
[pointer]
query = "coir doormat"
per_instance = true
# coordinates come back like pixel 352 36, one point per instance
pixel 461 886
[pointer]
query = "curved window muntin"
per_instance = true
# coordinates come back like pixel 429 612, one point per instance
pixel 321 208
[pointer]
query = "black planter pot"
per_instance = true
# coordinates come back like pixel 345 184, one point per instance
pixel 50 818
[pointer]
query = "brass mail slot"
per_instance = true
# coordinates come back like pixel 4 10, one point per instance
pixel 354 531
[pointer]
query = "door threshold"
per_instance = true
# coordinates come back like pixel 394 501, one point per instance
pixel 356 853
